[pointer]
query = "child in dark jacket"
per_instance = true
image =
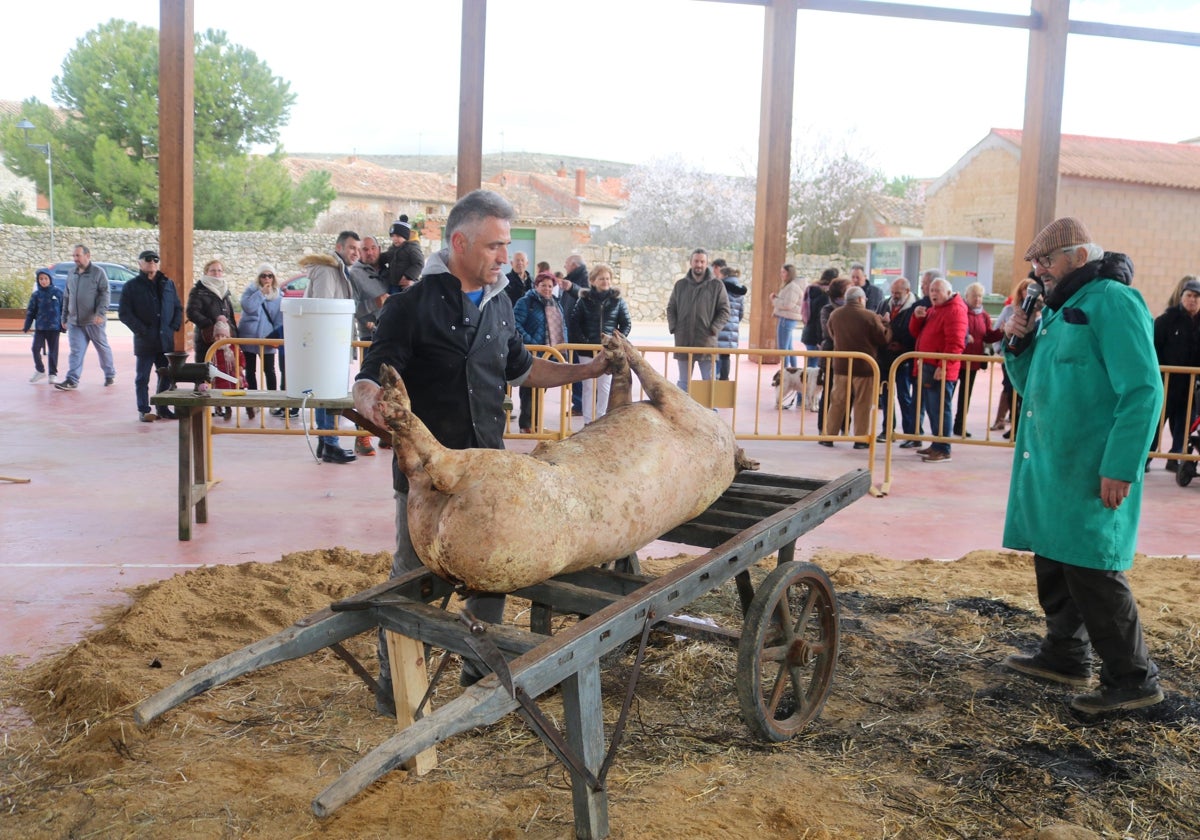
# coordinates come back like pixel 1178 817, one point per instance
pixel 45 315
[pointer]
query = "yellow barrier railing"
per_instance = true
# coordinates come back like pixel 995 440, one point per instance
pixel 748 390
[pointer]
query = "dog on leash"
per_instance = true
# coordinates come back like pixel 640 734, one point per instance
pixel 792 380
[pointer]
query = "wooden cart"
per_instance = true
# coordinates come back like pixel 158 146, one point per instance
pixel 787 648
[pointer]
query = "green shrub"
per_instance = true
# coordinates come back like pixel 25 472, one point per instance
pixel 15 291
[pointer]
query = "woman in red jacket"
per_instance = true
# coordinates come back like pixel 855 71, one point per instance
pixel 939 328
pixel 980 333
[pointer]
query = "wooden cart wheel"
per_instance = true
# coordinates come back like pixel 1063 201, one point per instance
pixel 788 650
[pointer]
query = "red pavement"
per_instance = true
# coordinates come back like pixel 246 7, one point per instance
pixel 99 513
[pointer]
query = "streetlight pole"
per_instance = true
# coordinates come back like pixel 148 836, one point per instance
pixel 26 125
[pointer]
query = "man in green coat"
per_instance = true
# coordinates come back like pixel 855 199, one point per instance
pixel 1092 393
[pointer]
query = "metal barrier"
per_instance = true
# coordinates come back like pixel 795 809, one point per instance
pixel 752 388
pixel 1189 416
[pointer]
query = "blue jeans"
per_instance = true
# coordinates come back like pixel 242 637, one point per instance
pixel 783 338
pixel 813 361
pixel 685 369
pixel 327 420
pixel 141 379
pixel 940 420
pixel 906 398
pixel 79 337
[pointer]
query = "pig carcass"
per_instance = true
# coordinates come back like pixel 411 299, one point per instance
pixel 495 521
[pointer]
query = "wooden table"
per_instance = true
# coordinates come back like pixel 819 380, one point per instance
pixel 193 410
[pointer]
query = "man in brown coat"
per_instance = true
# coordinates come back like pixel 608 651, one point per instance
pixel 853 328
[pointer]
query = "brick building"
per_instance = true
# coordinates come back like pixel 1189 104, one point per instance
pixel 1138 197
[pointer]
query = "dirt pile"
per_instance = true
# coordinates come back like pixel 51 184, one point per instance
pixel 923 735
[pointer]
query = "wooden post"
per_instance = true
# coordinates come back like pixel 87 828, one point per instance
pixel 176 141
pixel 406 659
pixel 774 167
pixel 470 96
pixel 1037 184
pixel 583 711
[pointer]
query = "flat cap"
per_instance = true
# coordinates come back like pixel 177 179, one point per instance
pixel 1061 233
pixel 148 255
pixel 1192 285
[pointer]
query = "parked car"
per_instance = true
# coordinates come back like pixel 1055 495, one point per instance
pixel 118 276
pixel 295 286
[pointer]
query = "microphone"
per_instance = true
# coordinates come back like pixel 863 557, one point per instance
pixel 1032 293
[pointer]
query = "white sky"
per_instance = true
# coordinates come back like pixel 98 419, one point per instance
pixel 633 80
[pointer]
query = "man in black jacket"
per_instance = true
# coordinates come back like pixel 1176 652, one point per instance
pixel 151 309
pixel 453 340
pixel 519 281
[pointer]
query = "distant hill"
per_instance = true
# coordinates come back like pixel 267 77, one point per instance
pixel 492 163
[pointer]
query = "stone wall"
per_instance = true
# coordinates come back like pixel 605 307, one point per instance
pixel 644 275
pixel 24 249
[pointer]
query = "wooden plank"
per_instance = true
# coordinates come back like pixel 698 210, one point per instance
pixel 419 585
pixel 185 473
pixel 443 629
pixel 754 477
pixel 215 397
pixel 784 495
pixel 294 642
pixel 410 680
pixel 568 597
pixel 705 536
pixel 583 710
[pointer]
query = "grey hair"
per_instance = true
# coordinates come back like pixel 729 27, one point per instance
pixel 855 293
pixel 1095 252
pixel 942 281
pixel 474 207
pixel 932 274
pixel 83 248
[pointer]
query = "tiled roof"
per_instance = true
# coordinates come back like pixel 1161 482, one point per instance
pixel 540 194
pixel 1130 161
pixel 899 211
pixel 351 177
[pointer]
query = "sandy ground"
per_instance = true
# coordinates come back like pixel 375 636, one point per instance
pixel 923 735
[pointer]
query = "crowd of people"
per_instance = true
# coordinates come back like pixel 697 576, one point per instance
pixel 578 305
pixel 1084 358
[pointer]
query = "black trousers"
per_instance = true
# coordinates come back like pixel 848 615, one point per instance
pixel 1088 608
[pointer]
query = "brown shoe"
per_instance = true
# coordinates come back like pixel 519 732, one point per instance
pixel 362 446
pixel 936 457
pixel 923 451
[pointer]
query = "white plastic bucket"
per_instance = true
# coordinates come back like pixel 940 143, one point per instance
pixel 316 341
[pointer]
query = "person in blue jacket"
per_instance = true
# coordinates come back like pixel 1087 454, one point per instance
pixel 150 307
pixel 1091 393
pixel 540 319
pixel 44 315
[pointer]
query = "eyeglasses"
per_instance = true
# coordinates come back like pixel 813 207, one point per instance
pixel 268 276
pixel 151 259
pixel 1047 260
